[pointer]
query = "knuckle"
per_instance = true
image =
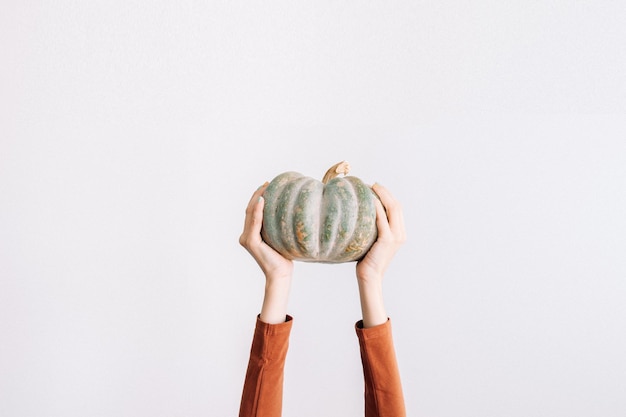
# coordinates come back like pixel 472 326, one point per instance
pixel 391 204
pixel 245 240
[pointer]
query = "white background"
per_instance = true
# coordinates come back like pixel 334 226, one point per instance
pixel 132 134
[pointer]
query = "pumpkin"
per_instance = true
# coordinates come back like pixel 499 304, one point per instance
pixel 331 221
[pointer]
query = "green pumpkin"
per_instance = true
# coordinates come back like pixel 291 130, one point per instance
pixel 330 221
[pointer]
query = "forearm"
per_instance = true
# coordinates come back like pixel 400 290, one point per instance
pixel 372 303
pixel 383 389
pixel 263 387
pixel 274 309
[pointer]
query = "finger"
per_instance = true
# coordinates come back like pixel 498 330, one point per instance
pixel 393 209
pixel 254 217
pixel 252 233
pixel 257 216
pixel 255 196
pixel 382 224
pixel 389 202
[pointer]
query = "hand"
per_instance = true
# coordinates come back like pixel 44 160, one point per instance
pixel 371 269
pixel 391 235
pixel 273 264
pixel 277 269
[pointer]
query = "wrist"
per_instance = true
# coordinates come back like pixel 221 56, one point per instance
pixel 370 280
pixel 275 301
pixel 277 282
pixel 372 303
pixel 371 290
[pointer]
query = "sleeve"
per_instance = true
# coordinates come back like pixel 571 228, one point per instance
pixel 383 389
pixel 263 387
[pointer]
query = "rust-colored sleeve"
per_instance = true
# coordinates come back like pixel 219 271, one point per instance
pixel 263 387
pixel 383 389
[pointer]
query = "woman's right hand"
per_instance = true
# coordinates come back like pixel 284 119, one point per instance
pixel 273 264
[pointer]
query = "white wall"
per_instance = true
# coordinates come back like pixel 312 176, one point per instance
pixel 132 134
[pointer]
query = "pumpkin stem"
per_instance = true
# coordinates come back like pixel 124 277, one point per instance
pixel 339 168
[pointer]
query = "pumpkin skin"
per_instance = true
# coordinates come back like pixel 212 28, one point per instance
pixel 307 220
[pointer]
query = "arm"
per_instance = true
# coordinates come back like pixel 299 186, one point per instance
pixel 383 388
pixel 263 387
